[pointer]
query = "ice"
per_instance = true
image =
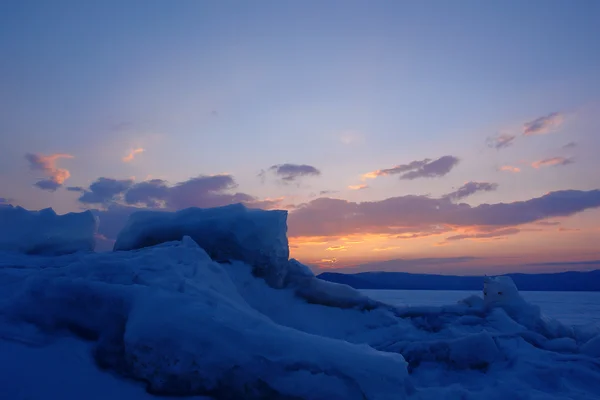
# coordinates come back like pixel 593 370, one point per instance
pixel 170 316
pixel 592 347
pixel 186 318
pixel 234 232
pixel 44 232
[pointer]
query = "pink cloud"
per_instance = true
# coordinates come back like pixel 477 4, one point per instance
pixel 417 169
pixel 358 187
pixel 423 214
pixel 554 161
pixel 55 177
pixel 542 125
pixel 510 168
pixel 129 157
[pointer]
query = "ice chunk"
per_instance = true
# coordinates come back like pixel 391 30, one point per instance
pixel 298 271
pixel 170 316
pixel 44 232
pixel 317 291
pixel 473 351
pixel 563 344
pixel 500 290
pixel 233 232
pixel 592 347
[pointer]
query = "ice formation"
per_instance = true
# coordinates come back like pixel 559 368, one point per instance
pixel 233 232
pixel 171 316
pixel 44 232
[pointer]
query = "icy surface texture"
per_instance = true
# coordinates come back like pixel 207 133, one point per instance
pixel 44 232
pixel 234 232
pixel 172 317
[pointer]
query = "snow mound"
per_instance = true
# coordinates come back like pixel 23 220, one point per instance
pixel 233 232
pixel 44 232
pixel 172 317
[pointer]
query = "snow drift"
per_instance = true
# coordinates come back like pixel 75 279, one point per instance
pixel 44 232
pixel 189 316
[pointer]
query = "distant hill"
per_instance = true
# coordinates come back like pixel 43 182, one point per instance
pixel 563 281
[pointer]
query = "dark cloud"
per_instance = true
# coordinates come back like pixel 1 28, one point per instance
pixel 418 169
pixel 470 188
pixel 554 161
pixel 500 141
pixel 105 190
pixel 205 191
pixel 543 124
pixel 291 172
pixel 570 145
pixel 324 192
pixel 48 184
pixel 54 177
pixel 157 195
pixel 485 235
pixel 331 217
pixel 439 167
pixel 75 189
pixel 201 191
pixel 149 193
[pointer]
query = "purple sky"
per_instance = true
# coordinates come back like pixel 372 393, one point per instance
pixel 394 130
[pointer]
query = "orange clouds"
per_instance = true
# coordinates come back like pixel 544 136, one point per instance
pixel 129 157
pixel 336 248
pixel 554 161
pixel 55 177
pixel 509 168
pixel 358 187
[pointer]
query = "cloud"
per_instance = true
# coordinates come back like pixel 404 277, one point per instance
pixel 324 192
pixel 4 200
pixel 201 191
pixel 554 161
pixel 563 229
pixel 291 172
pixel 148 193
pixel 509 168
pixel 129 157
pixel 570 145
pixel 104 190
pixel 75 189
pixel 500 141
pixel 548 223
pixel 336 248
pixel 205 191
pixel 418 169
pixel 54 177
pixel 421 214
pixel 542 125
pixel 485 235
pixel 470 188
pixel 358 187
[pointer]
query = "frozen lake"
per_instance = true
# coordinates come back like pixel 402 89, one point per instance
pixel 571 308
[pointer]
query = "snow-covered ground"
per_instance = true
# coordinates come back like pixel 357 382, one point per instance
pixel 172 320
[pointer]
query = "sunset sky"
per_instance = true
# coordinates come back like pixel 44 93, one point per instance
pixel 462 135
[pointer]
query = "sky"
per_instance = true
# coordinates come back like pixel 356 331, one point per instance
pixel 448 137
